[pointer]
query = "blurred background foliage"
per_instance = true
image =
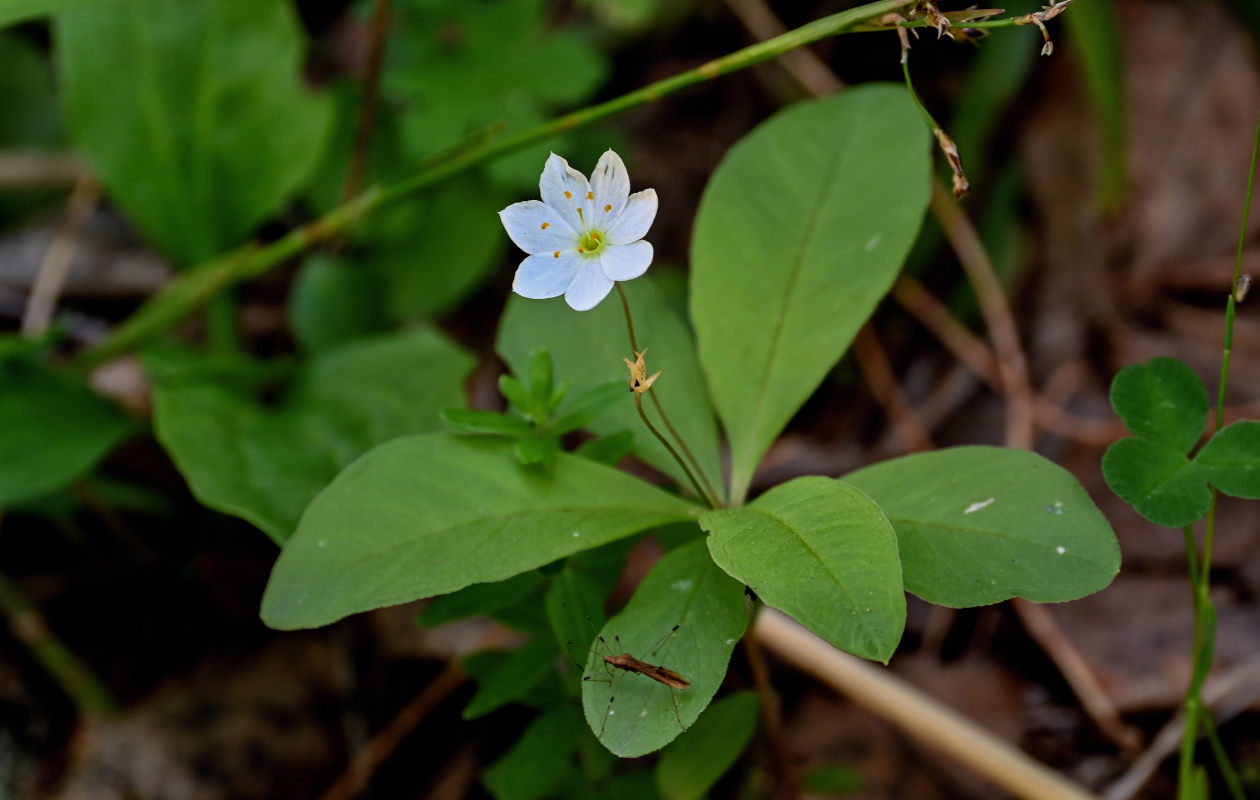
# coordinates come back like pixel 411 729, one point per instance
pixel 189 129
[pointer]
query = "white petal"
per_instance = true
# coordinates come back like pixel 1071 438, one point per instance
pixel 634 221
pixel 537 228
pixel 610 183
pixel 621 262
pixel 546 274
pixel 565 189
pixel 589 286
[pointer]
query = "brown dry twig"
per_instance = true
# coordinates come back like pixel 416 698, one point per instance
pixel 54 267
pixel 383 744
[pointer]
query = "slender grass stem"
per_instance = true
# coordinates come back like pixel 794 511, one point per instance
pixel 1201 568
pixel 71 674
pixel 1232 781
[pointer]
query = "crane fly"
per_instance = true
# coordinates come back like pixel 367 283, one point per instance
pixel 660 674
pixel 628 663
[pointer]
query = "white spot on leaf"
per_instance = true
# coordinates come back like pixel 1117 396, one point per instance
pixel 873 242
pixel 1060 549
pixel 681 586
pixel 974 507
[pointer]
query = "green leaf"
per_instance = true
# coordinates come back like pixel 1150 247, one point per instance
pixel 480 598
pixel 832 780
pixel 575 608
pixel 1096 43
pixel 979 525
pixel 26 83
pixel 333 302
pixel 1159 482
pixel 540 761
pixel 432 251
pixel 191 113
pixel 457 67
pixel 541 376
pixel 1231 460
pixel 1162 400
pixel 632 714
pixel 800 233
pixel 591 405
pixel 472 420
pixel 510 676
pixel 822 552
pixel 265 465
pixel 588 347
pixel 607 449
pixel 690 766
pixel 426 515
pixel 538 449
pixel 13 11
pixel 54 431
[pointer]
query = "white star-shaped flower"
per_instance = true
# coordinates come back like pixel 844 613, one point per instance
pixel 581 237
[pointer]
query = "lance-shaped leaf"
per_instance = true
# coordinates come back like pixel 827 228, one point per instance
pixel 979 525
pixel 823 552
pixel 425 515
pixel 800 232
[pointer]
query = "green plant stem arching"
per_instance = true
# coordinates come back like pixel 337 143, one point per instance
pixel 691 466
pixel 198 285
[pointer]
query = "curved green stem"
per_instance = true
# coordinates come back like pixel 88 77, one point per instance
pixel 196 286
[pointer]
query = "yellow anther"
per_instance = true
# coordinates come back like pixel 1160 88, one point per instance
pixel 568 195
pixel 545 224
pixel 557 254
pixel 580 250
pixel 607 209
pixel 590 195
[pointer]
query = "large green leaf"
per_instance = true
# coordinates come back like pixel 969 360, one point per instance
pixel 1230 461
pixel 426 515
pixel 979 525
pixel 192 113
pixel 632 714
pixel 52 431
pixel 800 232
pixel 822 552
pixel 587 348
pixel 265 464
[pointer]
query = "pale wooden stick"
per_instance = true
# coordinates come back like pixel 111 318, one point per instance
pixel 923 717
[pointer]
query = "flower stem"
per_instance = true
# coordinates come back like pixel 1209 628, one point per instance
pixel 638 403
pixel 710 496
pixel 196 286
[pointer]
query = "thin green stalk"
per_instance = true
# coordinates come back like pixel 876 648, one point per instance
pixel 1232 781
pixel 1233 288
pixel 1201 573
pixel 196 286
pixel 72 675
pixel 711 496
